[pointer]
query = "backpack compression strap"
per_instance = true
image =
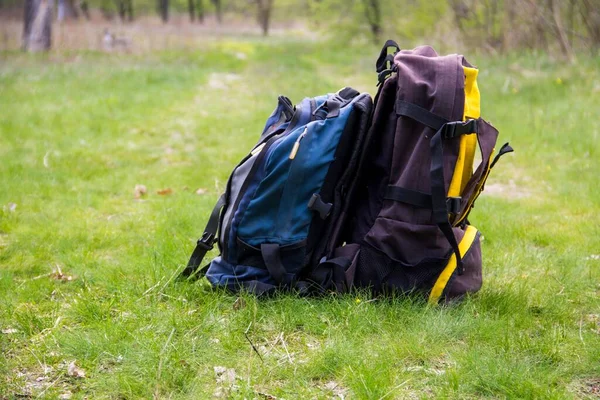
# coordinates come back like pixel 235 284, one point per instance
pixel 444 130
pixel 206 242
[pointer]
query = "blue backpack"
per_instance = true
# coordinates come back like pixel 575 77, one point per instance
pixel 279 213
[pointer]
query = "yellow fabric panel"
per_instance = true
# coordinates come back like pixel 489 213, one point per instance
pixel 468 143
pixel 478 189
pixel 472 98
pixel 441 282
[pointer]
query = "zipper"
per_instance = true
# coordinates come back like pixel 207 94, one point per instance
pixel 297 144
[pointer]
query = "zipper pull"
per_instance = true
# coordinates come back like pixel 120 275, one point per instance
pixel 297 144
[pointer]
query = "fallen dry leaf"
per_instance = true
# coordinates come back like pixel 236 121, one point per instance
pixel 164 192
pixel 200 191
pixel 58 275
pixel 140 191
pixel 74 371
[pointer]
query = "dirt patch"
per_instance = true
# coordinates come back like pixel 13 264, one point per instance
pixel 222 80
pixel 589 387
pixel 508 190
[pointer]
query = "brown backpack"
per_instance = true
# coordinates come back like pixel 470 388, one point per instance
pixel 405 227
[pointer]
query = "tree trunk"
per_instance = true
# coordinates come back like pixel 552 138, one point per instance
pixel 560 31
pixel 37 27
pixel 264 14
pixel 163 8
pixel 191 10
pixel 121 9
pixel 66 9
pixel 129 8
pixel 201 11
pixel 590 14
pixel 373 14
pixel 218 10
pixel 85 9
pixel 508 34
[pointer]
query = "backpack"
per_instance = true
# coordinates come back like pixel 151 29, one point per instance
pixel 275 217
pixel 407 229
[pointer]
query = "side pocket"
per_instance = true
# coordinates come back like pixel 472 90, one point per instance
pixel 337 273
pixel 291 258
pixel 449 284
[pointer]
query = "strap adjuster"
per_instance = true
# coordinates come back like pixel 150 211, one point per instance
pixel 317 204
pixel 453 204
pixel 457 128
pixel 207 241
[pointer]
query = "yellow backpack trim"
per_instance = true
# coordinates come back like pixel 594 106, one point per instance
pixel 468 143
pixel 442 280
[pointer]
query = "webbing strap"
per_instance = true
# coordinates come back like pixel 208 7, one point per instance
pixel 272 259
pixel 331 274
pixel 384 61
pixel 206 242
pixel 444 130
pixel 506 148
pixel 419 199
pixel 408 196
pixel 438 195
pixel 420 114
pixel 339 100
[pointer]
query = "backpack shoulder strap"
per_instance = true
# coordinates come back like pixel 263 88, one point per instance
pixel 206 242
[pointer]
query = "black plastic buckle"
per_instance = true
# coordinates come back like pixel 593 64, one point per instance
pixel 316 204
pixel 453 204
pixel 457 128
pixel 207 241
pixel 386 73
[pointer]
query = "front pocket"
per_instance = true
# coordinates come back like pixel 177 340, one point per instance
pixel 294 171
pixel 409 243
pixel 376 271
pixel 292 257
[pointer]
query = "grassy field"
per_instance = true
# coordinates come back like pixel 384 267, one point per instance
pixel 88 303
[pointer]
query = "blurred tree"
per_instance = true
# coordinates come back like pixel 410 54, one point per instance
pixel 590 13
pixel 37 25
pixel 125 9
pixel 559 30
pixel 192 10
pixel 264 14
pixel 218 10
pixel 66 9
pixel 201 11
pixel 373 15
pixel 163 10
pixel 85 9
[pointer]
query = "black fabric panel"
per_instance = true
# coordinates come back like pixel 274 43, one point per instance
pixel 383 275
pixel 324 234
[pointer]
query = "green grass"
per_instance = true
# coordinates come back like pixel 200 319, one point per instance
pixel 79 131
